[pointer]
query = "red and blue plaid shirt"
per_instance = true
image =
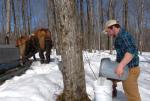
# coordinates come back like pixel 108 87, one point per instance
pixel 124 42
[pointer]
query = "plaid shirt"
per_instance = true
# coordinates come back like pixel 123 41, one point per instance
pixel 124 42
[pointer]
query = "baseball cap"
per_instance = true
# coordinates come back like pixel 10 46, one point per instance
pixel 108 24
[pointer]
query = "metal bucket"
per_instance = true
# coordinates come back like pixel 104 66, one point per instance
pixel 107 69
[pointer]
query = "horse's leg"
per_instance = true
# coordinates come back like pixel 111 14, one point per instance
pixel 22 49
pixel 35 46
pixel 41 55
pixel 34 58
pixel 21 61
pixel 47 56
pixel 48 48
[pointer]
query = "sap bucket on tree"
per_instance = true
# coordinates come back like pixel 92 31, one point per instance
pixel 103 90
pixel 107 69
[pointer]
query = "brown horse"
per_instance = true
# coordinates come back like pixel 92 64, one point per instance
pixel 26 48
pixel 44 39
pixel 39 41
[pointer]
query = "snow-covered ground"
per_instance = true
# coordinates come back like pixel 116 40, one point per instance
pixel 43 82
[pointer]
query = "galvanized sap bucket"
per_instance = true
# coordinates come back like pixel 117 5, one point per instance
pixel 107 69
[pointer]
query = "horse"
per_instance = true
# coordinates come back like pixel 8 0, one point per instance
pixel 26 48
pixel 39 41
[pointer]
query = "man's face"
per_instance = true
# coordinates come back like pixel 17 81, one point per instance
pixel 110 31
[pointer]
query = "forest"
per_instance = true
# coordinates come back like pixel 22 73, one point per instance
pixel 22 17
pixel 75 26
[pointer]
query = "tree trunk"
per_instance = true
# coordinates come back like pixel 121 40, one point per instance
pixel 81 23
pixel 72 63
pixel 125 14
pixel 24 16
pixel 8 16
pixel 48 12
pixel 111 15
pixel 18 17
pixel 29 17
pixel 57 33
pixel 141 26
pixel 101 19
pixel 90 23
pixel 3 16
pixel 14 15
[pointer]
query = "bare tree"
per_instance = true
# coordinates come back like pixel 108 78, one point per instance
pixel 18 17
pixel 3 15
pixel 90 23
pixel 91 17
pixel 56 33
pixel 72 63
pixel 24 16
pixel 29 15
pixel 48 12
pixel 111 15
pixel 101 22
pixel 14 16
pixel 141 26
pixel 125 14
pixel 81 23
pixel 8 16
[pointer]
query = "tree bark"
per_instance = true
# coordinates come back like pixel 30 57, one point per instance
pixel 141 26
pixel 57 34
pixel 29 17
pixel 24 16
pixel 101 19
pixel 125 14
pixel 8 16
pixel 14 15
pixel 81 23
pixel 72 63
pixel 3 16
pixel 90 23
pixel 18 17
pixel 111 15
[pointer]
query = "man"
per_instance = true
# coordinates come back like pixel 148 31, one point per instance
pixel 127 54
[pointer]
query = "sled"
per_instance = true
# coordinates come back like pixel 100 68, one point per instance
pixel 9 57
pixel 10 63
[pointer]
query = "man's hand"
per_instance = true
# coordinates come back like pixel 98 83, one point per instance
pixel 119 70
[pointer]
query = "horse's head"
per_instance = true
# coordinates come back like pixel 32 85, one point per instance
pixel 21 44
pixel 27 47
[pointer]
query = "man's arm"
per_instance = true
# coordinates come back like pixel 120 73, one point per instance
pixel 120 68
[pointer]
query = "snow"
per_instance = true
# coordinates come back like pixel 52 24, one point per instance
pixel 43 82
